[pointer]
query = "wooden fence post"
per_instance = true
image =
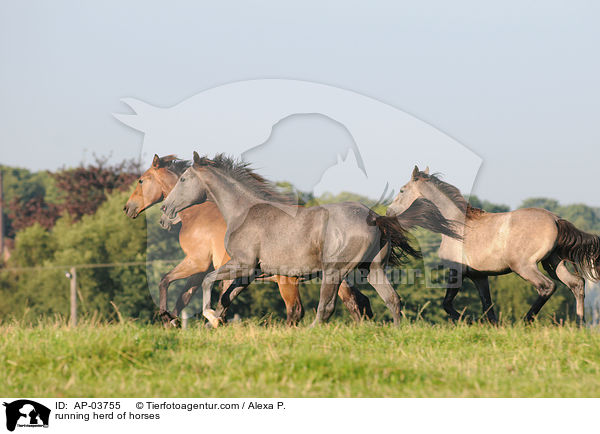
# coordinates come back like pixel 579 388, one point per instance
pixel 73 273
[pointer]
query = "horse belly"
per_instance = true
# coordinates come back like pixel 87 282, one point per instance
pixel 290 261
pixel 487 264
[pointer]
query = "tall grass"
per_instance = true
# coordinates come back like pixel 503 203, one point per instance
pixel 249 359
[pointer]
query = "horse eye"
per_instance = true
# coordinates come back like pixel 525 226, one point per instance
pixel 182 180
pixel 140 181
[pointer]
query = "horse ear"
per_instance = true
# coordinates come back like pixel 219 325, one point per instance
pixel 415 172
pixel 196 159
pixel 156 161
pixel 426 171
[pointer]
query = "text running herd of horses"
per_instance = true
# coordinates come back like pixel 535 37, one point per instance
pixel 237 227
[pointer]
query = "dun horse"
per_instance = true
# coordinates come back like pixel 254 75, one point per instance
pixel 202 237
pixel 267 234
pixel 500 243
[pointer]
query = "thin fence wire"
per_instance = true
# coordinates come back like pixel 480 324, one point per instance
pixel 129 264
pixel 108 265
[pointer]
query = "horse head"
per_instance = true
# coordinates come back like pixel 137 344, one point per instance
pixel 152 187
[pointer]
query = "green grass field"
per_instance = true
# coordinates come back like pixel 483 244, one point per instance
pixel 337 360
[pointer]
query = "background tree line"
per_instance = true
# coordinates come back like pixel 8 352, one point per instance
pixel 74 216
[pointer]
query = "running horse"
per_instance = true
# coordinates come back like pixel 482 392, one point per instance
pixel 202 236
pixel 500 243
pixel 266 234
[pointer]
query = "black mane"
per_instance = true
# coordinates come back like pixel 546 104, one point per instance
pixel 451 193
pixel 174 164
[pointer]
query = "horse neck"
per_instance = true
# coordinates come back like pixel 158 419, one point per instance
pixel 232 197
pixel 447 207
pixel 167 183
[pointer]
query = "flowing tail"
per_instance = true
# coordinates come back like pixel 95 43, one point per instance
pixel 423 213
pixel 580 248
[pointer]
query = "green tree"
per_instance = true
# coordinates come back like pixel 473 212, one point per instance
pixel 486 205
pixel 108 236
pixel 22 185
pixel 541 202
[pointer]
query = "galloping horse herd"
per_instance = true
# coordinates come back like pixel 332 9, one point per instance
pixel 237 227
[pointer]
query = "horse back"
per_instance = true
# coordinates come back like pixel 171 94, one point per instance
pixel 497 242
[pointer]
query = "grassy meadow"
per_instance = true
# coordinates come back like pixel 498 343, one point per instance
pixel 251 359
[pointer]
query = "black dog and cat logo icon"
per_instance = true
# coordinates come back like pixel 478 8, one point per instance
pixel 26 413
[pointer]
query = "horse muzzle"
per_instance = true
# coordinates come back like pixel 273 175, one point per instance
pixel 131 210
pixel 167 223
pixel 169 211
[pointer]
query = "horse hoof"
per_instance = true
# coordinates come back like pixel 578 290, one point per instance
pixel 212 318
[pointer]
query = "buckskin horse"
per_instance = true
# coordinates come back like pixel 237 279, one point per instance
pixel 202 236
pixel 266 234
pixel 500 243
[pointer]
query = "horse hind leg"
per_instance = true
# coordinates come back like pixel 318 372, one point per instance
pixel 558 270
pixel 327 298
pixel 577 286
pixel 543 285
pixel 549 265
pixel 355 301
pixel 380 282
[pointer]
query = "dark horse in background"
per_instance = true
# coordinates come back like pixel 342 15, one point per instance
pixel 202 236
pixel 500 243
pixel 267 234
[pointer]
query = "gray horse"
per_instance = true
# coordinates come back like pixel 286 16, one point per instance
pixel 268 234
pixel 500 243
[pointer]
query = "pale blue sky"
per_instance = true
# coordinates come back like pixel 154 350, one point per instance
pixel 517 82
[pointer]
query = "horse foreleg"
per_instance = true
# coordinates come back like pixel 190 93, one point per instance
pixel 233 290
pixel 222 311
pixel 226 272
pixel 191 286
pixel 184 269
pixel 483 286
pixel 448 303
